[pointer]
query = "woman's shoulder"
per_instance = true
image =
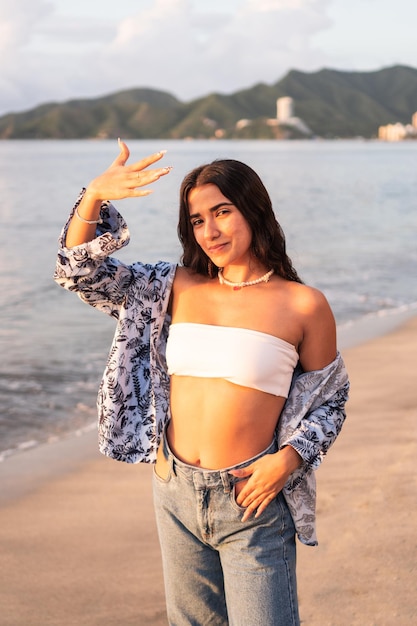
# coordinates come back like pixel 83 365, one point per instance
pixel 317 347
pixel 304 298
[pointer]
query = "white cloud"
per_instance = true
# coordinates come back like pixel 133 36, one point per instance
pixel 191 53
pixel 152 27
pixel 187 47
pixel 266 38
pixel 18 21
pixel 261 6
pixel 177 45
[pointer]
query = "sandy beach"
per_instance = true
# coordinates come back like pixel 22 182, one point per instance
pixel 78 541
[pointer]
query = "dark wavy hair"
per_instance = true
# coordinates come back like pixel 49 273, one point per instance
pixel 242 186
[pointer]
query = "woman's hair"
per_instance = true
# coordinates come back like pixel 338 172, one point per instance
pixel 242 186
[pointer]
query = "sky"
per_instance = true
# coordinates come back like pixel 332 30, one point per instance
pixel 57 50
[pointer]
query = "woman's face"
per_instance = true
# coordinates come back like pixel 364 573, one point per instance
pixel 219 227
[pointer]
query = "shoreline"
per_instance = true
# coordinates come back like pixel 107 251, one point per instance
pixel 373 325
pixel 79 543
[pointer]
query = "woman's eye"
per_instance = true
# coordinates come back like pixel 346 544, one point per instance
pixel 196 222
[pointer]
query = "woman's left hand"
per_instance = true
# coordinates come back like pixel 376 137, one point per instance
pixel 266 478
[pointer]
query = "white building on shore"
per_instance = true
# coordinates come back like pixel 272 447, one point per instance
pixel 285 116
pixel 398 131
pixel 285 109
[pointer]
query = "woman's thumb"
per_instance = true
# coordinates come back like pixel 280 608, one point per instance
pixel 242 472
pixel 123 155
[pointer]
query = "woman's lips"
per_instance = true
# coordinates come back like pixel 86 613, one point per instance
pixel 217 248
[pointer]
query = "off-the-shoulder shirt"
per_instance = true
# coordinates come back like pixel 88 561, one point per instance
pixel 133 398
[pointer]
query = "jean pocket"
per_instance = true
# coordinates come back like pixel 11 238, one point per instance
pixel 271 514
pixel 237 487
pixel 162 469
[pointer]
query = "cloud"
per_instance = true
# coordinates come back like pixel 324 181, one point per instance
pixel 181 46
pixel 18 20
pixel 267 38
pixel 191 53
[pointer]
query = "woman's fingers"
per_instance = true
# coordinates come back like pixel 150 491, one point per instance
pixel 146 162
pixel 138 175
pixel 123 181
pixel 145 177
pixel 124 154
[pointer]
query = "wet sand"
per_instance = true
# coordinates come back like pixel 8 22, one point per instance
pixel 78 541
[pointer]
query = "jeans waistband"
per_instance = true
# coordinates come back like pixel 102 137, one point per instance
pixel 207 478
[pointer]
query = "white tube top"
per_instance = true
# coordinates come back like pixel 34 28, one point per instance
pixel 244 357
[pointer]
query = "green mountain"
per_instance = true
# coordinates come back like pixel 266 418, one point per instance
pixel 331 103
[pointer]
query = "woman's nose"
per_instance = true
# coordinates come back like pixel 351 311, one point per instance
pixel 210 230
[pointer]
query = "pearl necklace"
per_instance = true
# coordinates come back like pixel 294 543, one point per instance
pixel 248 283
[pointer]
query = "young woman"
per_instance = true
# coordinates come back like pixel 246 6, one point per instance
pixel 223 371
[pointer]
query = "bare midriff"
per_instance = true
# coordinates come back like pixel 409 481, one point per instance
pixel 216 424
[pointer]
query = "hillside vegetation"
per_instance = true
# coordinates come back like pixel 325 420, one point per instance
pixel 332 104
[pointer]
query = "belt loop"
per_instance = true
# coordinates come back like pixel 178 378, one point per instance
pixel 226 481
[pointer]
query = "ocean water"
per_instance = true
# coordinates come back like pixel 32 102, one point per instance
pixel 348 209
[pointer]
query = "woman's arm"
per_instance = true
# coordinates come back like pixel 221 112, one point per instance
pixel 117 182
pixel 317 429
pixel 318 343
pixel 84 263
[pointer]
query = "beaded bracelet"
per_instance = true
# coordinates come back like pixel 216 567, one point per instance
pixel 99 221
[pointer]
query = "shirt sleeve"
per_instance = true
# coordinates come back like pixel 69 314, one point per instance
pixel 89 270
pixel 319 429
pixel 318 400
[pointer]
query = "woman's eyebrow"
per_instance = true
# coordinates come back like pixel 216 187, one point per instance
pixel 212 209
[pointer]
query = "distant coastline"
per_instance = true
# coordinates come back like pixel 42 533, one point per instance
pixel 327 104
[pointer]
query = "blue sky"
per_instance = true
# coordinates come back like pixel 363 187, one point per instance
pixel 55 50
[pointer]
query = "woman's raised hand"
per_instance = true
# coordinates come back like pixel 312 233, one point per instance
pixel 117 182
pixel 124 181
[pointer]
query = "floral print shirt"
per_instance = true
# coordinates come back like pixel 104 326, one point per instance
pixel 133 398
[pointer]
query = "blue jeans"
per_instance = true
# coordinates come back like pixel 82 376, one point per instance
pixel 218 570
